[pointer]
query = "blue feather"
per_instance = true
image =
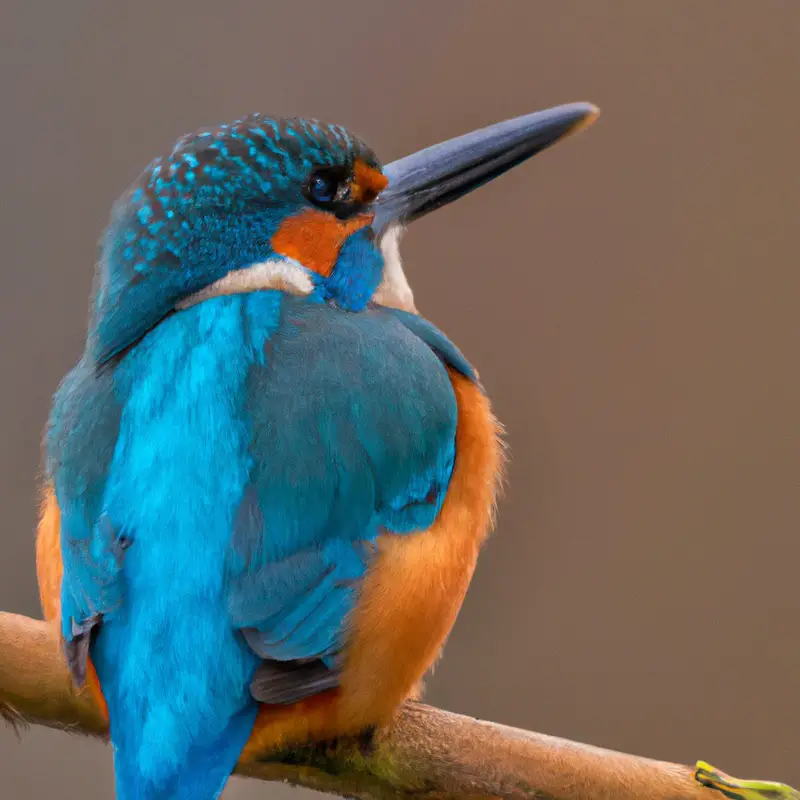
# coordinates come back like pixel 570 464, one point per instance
pixel 223 471
pixel 173 669
pixel 436 340
pixel 209 207
pixel 248 450
pixel 353 433
pixel 81 440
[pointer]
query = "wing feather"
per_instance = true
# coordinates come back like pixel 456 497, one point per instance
pixel 354 421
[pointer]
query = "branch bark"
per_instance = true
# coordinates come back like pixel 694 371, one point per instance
pixel 425 753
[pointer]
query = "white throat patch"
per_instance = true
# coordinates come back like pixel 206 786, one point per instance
pixel 281 273
pixel 394 290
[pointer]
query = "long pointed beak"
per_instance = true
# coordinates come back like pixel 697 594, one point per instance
pixel 437 175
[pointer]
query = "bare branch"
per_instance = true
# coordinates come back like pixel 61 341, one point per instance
pixel 426 753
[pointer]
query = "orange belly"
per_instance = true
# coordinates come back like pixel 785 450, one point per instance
pixel 408 604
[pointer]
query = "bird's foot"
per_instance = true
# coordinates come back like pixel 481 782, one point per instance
pixel 366 741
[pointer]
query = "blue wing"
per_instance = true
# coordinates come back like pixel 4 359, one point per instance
pixel 353 427
pixel 353 419
pixel 81 438
pixel 435 339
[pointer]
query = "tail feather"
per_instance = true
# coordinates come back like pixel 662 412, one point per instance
pixel 201 776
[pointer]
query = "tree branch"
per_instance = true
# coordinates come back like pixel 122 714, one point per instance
pixel 425 753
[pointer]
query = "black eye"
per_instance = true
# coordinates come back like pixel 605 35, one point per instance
pixel 329 187
pixel 323 188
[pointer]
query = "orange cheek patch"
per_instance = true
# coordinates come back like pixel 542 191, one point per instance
pixel 314 238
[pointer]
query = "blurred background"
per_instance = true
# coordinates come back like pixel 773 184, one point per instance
pixel 641 592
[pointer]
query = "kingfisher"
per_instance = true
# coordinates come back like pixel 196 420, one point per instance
pixel 268 477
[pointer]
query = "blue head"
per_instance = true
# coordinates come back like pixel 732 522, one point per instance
pixel 291 204
pixel 294 193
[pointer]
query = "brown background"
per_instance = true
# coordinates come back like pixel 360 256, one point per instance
pixel 630 299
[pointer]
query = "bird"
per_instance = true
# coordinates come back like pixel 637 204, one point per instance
pixel 268 477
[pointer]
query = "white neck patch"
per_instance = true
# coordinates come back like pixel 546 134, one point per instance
pixel 287 275
pixel 394 290
pixel 281 273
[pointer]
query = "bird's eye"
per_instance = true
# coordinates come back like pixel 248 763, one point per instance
pixel 328 186
pixel 323 188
